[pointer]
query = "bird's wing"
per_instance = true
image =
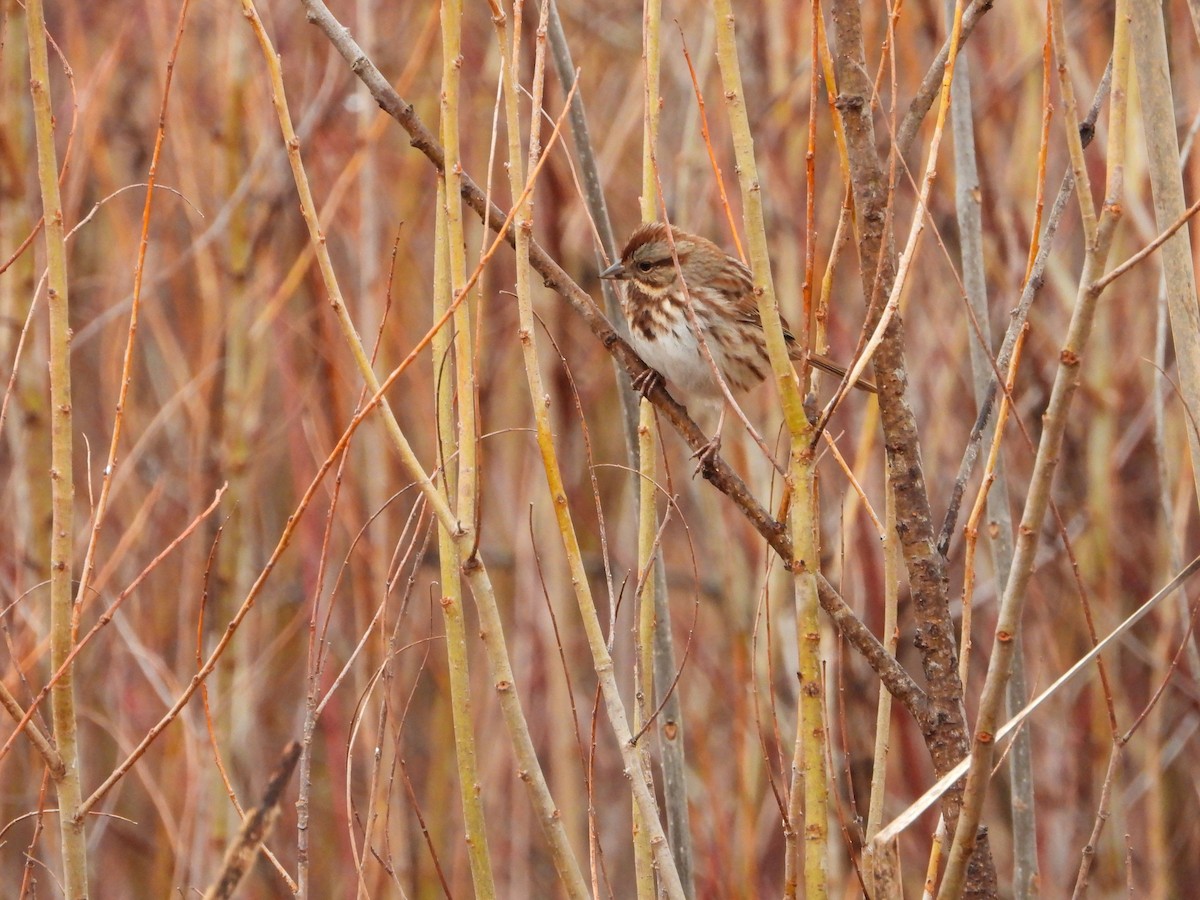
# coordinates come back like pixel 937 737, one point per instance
pixel 745 308
pixel 739 287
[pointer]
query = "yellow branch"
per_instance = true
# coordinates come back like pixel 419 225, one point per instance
pixel 452 593
pixel 62 483
pixel 809 759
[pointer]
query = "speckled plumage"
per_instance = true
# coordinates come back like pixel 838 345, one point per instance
pixel 722 292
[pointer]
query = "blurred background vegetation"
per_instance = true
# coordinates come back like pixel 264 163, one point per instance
pixel 240 376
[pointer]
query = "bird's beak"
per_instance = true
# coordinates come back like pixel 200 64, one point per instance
pixel 615 271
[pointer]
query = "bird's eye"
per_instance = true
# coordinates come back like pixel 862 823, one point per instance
pixel 645 266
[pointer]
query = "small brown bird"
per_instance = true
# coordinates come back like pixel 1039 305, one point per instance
pixel 722 292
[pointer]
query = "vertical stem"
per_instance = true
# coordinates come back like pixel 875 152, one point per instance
pixel 62 483
pixel 651 26
pixel 643 857
pixel 647 450
pixel 1166 180
pixel 1083 185
pixel 451 14
pixel 893 568
pixel 443 349
pixel 671 735
pixel 764 287
pixel 946 735
pixel 453 247
pixel 451 576
pixel 452 250
pixel 809 321
pixel 1066 381
pixel 968 201
pixel 369 199
pixel 232 566
pixel 809 766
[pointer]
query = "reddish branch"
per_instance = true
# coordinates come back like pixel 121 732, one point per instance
pixel 947 739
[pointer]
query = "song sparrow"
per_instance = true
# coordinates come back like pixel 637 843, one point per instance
pixel 722 293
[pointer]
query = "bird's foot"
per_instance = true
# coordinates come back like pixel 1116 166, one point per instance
pixel 647 381
pixel 705 455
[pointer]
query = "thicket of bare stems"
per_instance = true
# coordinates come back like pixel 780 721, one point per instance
pixel 441 600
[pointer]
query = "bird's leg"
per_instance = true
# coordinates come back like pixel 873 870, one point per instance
pixel 704 456
pixel 646 381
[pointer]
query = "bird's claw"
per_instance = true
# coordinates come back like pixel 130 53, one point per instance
pixel 646 381
pixel 705 455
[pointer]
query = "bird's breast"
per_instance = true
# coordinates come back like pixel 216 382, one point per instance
pixel 663 337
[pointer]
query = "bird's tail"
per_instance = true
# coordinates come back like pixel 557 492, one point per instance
pixel 828 365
